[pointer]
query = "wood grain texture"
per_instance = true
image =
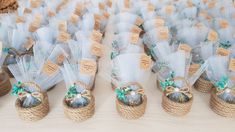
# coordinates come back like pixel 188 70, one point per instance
pixel 106 118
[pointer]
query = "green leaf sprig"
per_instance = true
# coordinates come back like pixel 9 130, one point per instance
pixel 222 83
pixel 17 88
pixel 121 93
pixel 168 82
pixel 72 92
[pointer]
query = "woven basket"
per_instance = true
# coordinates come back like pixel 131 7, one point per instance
pixel 221 107
pixel 80 114
pixel 35 113
pixel 175 108
pixel 131 112
pixel 5 84
pixel 203 85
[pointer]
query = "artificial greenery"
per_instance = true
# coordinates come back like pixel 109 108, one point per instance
pixel 222 83
pixel 72 92
pixel 168 82
pixel 121 93
pixel 176 96
pixel 17 88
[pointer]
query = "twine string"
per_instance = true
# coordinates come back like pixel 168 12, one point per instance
pixel 184 90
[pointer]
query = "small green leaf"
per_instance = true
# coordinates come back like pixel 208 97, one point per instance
pixel 222 83
pixel 120 94
pixel 72 92
pixel 168 82
pixel 16 89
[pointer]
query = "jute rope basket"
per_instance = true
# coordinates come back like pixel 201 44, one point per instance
pixel 203 85
pixel 34 113
pixel 175 108
pixel 221 107
pixel 5 84
pixel 80 114
pixel 131 112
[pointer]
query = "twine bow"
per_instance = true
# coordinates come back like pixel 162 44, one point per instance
pixel 185 90
pixel 72 94
pixel 19 91
pixel 169 86
pixel 36 95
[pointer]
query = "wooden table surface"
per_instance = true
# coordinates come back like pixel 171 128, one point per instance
pixel 106 118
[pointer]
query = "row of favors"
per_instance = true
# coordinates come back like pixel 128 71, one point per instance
pixel 42 48
pixel 165 30
pixel 165 38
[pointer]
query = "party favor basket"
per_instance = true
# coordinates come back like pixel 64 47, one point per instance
pixel 79 103
pixel 131 101
pixel 35 112
pixel 177 101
